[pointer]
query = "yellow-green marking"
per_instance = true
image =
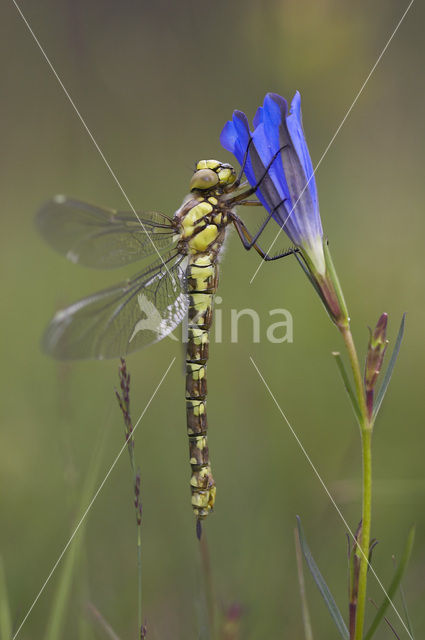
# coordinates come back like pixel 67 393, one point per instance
pixel 202 222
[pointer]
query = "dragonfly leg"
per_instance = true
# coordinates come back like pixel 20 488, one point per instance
pixel 254 237
pixel 249 241
pixel 250 203
pixel 240 197
pixel 253 189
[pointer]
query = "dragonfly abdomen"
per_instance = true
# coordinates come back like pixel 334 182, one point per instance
pixel 202 274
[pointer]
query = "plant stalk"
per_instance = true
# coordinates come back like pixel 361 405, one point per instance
pixel 208 587
pixel 139 535
pixel 366 426
pixel 124 404
pixel 357 374
pixel 365 539
pixel 139 579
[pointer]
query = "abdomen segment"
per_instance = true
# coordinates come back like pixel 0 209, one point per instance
pixel 202 284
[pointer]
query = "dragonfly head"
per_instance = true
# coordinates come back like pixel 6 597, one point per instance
pixel 210 174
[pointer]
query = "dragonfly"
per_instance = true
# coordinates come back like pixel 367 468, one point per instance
pixel 178 285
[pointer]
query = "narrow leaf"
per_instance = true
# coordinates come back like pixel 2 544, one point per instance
pixel 308 632
pixel 57 618
pixel 5 617
pixel 406 612
pixel 386 381
pixel 347 385
pixel 322 586
pixel 334 278
pixel 392 628
pixel 394 585
pixel 309 276
pixel 388 622
pixel 103 623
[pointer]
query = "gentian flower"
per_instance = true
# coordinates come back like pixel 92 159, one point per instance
pixel 278 164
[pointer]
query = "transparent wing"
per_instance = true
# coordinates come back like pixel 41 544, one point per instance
pixel 102 238
pixel 123 318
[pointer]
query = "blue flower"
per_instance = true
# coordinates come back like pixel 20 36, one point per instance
pixel 278 162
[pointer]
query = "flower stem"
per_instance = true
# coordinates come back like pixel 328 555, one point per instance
pixel 366 523
pixel 366 438
pixel 136 489
pixel 355 366
pixel 124 403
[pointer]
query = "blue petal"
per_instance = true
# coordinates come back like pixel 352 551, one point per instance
pixel 273 189
pixel 240 122
pixel 235 137
pixel 295 127
pixel 285 179
pixel 243 133
pixel 304 212
pixel 228 137
pixel 258 117
pixel 274 115
pixel 267 142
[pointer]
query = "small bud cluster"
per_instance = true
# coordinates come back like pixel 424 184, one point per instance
pixel 375 356
pixel 124 403
pixel 137 500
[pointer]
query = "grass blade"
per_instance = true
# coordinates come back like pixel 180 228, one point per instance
pixel 395 582
pixel 5 617
pixel 406 613
pixel 386 381
pixel 322 586
pixel 347 385
pixel 390 626
pixel 102 622
pixel 58 612
pixel 308 632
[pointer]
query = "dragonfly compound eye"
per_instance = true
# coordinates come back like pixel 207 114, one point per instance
pixel 203 179
pixel 226 174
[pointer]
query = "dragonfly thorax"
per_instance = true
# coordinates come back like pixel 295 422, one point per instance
pixel 201 223
pixel 203 216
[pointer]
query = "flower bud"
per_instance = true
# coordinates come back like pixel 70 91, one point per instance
pixel 375 356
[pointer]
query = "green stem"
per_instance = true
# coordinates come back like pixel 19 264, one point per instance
pixel 366 523
pixel 366 437
pixel 357 374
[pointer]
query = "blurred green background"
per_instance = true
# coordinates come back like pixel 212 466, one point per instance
pixel 155 83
